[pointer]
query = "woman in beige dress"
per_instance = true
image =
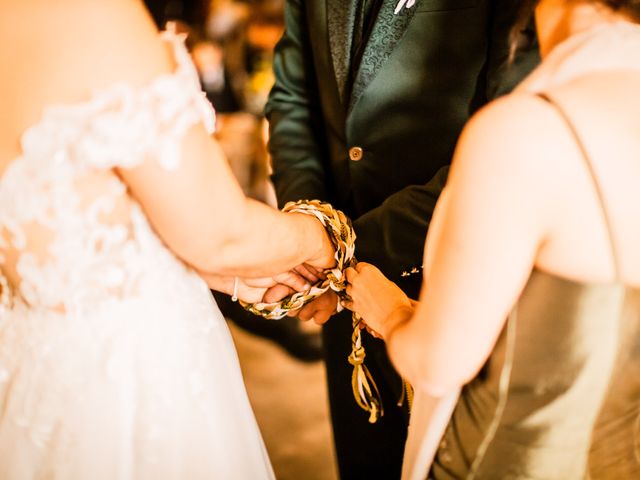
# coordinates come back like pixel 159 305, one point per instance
pixel 530 310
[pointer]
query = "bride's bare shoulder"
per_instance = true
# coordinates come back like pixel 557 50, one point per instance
pixel 68 46
pixel 62 52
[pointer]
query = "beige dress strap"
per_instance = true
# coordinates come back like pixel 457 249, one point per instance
pixel 615 255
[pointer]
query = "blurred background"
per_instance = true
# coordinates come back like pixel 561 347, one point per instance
pixel 231 43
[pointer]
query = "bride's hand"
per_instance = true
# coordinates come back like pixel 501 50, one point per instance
pixel 252 290
pixel 284 289
pixel 374 297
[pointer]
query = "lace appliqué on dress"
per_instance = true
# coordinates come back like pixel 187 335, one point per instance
pixel 62 184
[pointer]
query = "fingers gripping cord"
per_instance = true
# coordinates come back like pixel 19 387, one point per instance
pixel 343 237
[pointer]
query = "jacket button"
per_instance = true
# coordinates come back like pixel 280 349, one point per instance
pixel 355 153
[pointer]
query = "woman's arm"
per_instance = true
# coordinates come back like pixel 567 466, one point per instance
pixel 487 228
pixel 201 213
pixel 491 220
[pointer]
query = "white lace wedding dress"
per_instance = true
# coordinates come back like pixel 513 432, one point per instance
pixel 115 362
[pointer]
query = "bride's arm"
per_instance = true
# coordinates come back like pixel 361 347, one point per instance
pixel 201 213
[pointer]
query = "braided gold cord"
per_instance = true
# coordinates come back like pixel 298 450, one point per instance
pixel 365 390
pixel 343 238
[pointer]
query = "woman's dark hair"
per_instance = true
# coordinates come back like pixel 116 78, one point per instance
pixel 630 7
pixel 523 29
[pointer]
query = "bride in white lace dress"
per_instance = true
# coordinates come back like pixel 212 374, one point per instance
pixel 115 203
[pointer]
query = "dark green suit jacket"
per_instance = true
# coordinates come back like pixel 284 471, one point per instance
pixel 423 72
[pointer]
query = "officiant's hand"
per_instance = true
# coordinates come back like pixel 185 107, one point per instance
pixel 375 298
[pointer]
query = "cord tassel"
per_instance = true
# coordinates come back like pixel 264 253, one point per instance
pixel 365 390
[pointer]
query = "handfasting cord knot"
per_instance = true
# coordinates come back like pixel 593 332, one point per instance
pixel 357 357
pixel 340 231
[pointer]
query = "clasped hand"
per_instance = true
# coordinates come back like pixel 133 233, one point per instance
pixel 371 295
pixel 374 298
pixel 299 279
pixel 274 289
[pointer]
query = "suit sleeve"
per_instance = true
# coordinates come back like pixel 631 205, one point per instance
pixel 293 112
pixel 392 235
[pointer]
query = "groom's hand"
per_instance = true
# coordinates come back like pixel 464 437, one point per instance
pixel 320 310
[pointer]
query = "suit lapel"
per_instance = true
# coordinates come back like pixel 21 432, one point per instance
pixel 340 22
pixel 387 31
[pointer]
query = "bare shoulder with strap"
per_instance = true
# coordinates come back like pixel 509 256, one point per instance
pixel 615 254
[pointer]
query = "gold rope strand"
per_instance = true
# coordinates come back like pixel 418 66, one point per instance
pixel 343 237
pixel 365 390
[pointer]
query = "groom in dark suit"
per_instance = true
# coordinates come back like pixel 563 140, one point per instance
pixel 365 113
